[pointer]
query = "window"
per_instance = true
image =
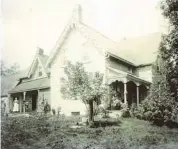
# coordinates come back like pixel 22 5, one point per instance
pixel 40 71
pixel 85 57
pixel 130 69
pixel 63 61
pixel 86 48
pixel 49 66
pixel 48 70
pixel 157 68
pixel 75 113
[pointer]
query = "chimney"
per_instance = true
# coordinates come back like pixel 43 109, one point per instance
pixel 77 13
pixel 40 51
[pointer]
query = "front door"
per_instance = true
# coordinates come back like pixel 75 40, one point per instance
pixel 34 102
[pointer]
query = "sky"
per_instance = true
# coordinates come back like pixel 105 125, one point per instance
pixel 28 24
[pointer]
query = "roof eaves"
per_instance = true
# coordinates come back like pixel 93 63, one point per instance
pixel 44 87
pixel 4 95
pixel 124 60
pixel 140 79
pixel 142 65
pixel 59 43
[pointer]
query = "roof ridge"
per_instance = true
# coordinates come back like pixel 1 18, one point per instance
pixel 140 36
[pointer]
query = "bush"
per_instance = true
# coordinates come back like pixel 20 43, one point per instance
pixel 47 108
pixel 161 110
pixel 18 130
pixel 125 113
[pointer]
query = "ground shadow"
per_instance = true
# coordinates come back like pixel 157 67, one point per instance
pixel 106 122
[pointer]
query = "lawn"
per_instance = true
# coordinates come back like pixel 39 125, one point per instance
pixel 56 133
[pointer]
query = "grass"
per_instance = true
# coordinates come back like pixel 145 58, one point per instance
pixel 55 133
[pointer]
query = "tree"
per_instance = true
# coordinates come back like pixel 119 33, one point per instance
pixel 82 85
pixel 5 70
pixel 161 106
pixel 169 46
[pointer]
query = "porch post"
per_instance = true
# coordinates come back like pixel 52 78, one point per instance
pixel 9 105
pixel 24 94
pixel 137 93
pixel 20 103
pixel 125 92
pixel 38 102
pixel 148 90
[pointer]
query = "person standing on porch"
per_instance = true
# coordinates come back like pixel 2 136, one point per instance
pixel 16 105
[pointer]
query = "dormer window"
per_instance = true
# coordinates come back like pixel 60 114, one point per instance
pixel 40 71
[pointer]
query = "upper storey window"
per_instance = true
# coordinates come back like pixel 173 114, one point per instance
pixel 130 69
pixel 85 57
pixel 40 73
pixel 86 49
pixel 64 60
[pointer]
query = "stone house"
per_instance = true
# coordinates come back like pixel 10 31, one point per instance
pixel 128 66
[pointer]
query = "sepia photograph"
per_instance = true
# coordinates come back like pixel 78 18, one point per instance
pixel 89 74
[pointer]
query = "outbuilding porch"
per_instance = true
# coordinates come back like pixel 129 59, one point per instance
pixel 30 94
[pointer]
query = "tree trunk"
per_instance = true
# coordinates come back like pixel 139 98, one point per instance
pixel 91 117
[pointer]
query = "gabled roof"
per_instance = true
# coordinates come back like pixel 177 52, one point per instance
pixel 135 51
pixel 31 85
pixel 142 50
pixel 41 59
pixel 8 82
pixel 105 43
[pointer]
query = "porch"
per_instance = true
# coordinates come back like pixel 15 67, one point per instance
pixel 127 88
pixel 29 95
pixel 27 101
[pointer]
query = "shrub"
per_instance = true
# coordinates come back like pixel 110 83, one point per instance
pixel 47 108
pixel 54 111
pixel 125 113
pixel 160 110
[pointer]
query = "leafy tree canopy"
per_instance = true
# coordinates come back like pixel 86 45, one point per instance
pixel 169 46
pixel 8 70
pixel 161 106
pixel 82 85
